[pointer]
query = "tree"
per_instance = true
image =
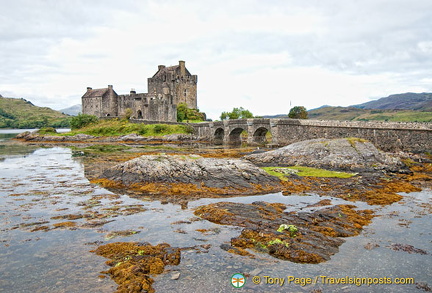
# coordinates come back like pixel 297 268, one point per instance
pixel 186 113
pixel 237 113
pixel 298 112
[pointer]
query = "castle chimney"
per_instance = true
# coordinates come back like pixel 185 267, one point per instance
pixel 89 88
pixel 110 86
pixel 182 68
pixel 160 67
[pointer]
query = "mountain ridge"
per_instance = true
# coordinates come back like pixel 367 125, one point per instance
pixel 405 101
pixel 72 110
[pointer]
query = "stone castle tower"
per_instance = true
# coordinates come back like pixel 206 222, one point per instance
pixel 168 87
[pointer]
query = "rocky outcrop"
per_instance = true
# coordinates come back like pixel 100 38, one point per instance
pixel 36 137
pixel 302 237
pixel 349 154
pixel 214 175
pixel 130 138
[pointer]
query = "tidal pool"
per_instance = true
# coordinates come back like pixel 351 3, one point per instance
pixel 51 217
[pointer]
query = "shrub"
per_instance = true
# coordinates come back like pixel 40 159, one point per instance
pixel 188 129
pixel 142 131
pixel 127 114
pixel 82 120
pixel 61 123
pixel 159 128
pixel 47 130
pixel 185 113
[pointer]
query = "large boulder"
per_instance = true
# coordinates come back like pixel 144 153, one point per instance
pixel 228 175
pixel 347 154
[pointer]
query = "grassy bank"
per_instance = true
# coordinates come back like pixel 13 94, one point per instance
pixel 121 127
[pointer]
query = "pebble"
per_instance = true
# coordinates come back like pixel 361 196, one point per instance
pixel 175 276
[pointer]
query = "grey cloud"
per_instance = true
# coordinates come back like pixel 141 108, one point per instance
pixel 29 28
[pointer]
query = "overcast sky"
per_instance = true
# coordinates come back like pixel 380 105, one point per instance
pixel 262 55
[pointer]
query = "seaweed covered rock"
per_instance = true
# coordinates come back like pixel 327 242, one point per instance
pixel 184 174
pixel 349 154
pixel 132 263
pixel 303 237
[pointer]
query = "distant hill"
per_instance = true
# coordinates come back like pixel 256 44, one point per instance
pixel 73 110
pixel 407 101
pixel 20 113
pixel 276 116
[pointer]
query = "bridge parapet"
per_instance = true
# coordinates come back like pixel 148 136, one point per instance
pixel 388 136
pixel 356 124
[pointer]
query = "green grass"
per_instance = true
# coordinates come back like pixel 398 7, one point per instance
pixel 270 171
pixel 305 172
pixel 116 127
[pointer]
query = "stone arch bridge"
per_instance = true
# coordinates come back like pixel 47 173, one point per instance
pixel 388 136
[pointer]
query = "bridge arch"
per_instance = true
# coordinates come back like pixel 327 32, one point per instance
pixel 219 134
pixel 259 135
pixel 234 137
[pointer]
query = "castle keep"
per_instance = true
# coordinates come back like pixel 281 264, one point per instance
pixel 168 87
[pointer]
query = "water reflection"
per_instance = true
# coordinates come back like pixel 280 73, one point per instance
pixel 8 148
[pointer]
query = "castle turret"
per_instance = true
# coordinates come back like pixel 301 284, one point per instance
pixel 182 68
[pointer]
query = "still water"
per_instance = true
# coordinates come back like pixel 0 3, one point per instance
pixel 42 188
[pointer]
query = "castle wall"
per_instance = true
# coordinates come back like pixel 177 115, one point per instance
pixel 186 91
pixel 110 103
pixel 162 110
pixel 147 108
pixel 124 102
pixel 92 106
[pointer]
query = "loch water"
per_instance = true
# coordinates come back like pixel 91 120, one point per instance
pixel 40 185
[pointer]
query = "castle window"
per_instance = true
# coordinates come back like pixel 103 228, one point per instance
pixel 185 93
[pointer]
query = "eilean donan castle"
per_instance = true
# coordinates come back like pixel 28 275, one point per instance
pixel 168 87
